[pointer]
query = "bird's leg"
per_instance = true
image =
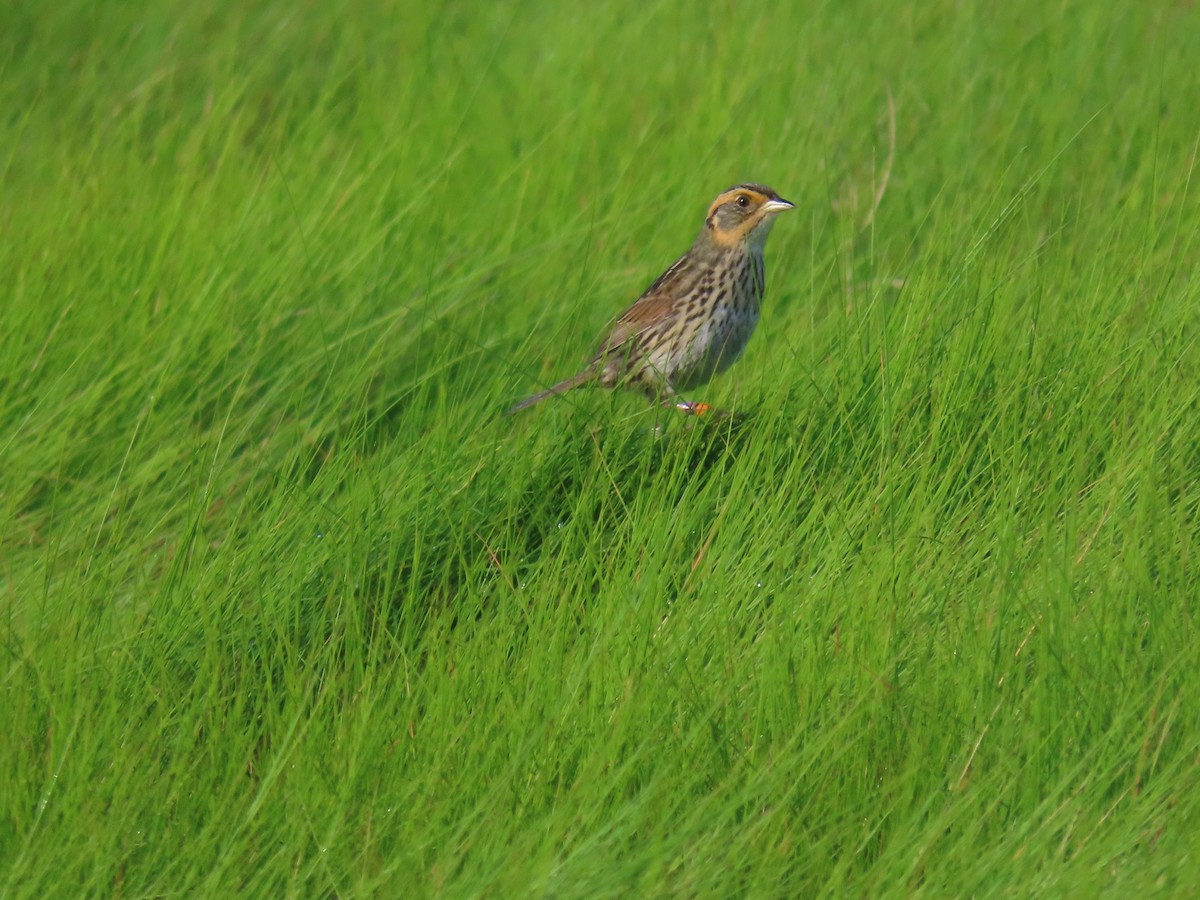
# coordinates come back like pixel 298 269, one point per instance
pixel 668 399
pixel 711 413
pixel 671 400
pixel 695 409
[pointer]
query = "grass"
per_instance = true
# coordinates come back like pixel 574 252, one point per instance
pixel 291 610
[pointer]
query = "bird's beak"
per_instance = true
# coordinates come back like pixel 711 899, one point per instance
pixel 777 206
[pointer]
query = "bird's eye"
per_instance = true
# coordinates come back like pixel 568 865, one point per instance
pixel 743 201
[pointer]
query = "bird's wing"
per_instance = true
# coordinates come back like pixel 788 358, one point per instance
pixel 655 303
pixel 648 310
pixel 669 281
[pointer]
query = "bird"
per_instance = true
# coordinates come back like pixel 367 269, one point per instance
pixel 694 321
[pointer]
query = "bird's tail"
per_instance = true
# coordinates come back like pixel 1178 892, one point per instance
pixel 561 388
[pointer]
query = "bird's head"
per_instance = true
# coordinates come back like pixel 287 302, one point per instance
pixel 743 215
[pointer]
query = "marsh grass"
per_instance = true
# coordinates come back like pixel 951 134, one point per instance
pixel 291 609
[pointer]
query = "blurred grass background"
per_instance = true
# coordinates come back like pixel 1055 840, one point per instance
pixel 290 609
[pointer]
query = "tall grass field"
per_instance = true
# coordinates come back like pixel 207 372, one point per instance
pixel 291 609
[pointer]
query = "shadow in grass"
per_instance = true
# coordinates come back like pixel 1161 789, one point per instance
pixel 478 543
pixel 406 580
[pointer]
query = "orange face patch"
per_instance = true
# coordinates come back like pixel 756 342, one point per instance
pixel 732 221
pixel 754 197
